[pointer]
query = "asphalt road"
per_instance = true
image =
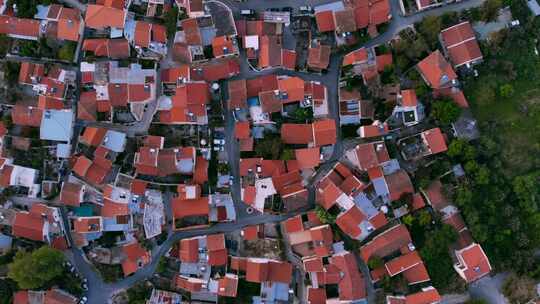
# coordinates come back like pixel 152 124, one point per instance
pixel 100 292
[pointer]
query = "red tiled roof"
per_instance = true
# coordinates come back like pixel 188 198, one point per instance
pixel 279 272
pixel 351 285
pixel 313 264
pixel 228 285
pixel 69 24
pixel 256 270
pixel 345 20
pixel 418 201
pixel 93 136
pixel 379 12
pixel 319 57
pixel 28 225
pixel 455 93
pixel 403 263
pixel 136 257
pixel 26 115
pixel 350 220
pixel 112 209
pixel 142 33
pixel 200 176
pixel 191 207
pixel 237 94
pixel 81 165
pixel 416 274
pixel 189 250
pixel 29 70
pixel 316 295
pixel 398 184
pixel 461 44
pixel 361 14
pixel 87 106
pixel 385 243
pixel 191 30
pixel 355 57
pixel 57 296
pixel 218 69
pixel 435 195
pixel 19 26
pixel 242 130
pixel 308 158
pixel 435 140
pixel 250 233
pixel 288 59
pixel 172 75
pixel 296 133
pixel 324 132
pixel 325 21
pixel 222 45
pixel 87 224
pixel 327 194
pixel 99 17
pixel 138 186
pixel 71 194
pixel 294 224
pixel 426 296
pixel 474 262
pixel 436 70
pixel 371 155
pixel 455 220
pixel 102 47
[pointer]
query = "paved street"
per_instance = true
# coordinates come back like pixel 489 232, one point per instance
pixel 100 292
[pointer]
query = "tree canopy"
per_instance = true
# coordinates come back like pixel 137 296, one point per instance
pixel 36 269
pixel 445 111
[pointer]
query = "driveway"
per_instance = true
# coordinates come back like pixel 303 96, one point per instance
pixel 489 289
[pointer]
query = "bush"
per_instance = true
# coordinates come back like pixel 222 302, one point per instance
pixel 375 262
pixel 519 289
pixel 67 51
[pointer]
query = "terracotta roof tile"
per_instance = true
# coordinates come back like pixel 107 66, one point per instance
pixel 99 17
pixel 325 21
pixel 436 70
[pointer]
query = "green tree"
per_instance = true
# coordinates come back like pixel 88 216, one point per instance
pixel 490 10
pixel 430 27
pixel 408 220
pixel 445 111
pixel 28 48
pixel 36 269
pixel 269 147
pixel 375 262
pixel 424 218
pixel 324 216
pixel 435 254
pixel 139 293
pixel 461 150
pixel 11 71
pixel 171 21
pixel 506 90
pixel 5 43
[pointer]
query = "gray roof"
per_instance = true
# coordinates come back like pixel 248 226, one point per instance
pixel 56 125
pixel 114 141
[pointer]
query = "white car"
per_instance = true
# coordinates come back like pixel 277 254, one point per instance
pixel 220 142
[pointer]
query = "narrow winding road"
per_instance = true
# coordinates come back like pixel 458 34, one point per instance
pixel 100 292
